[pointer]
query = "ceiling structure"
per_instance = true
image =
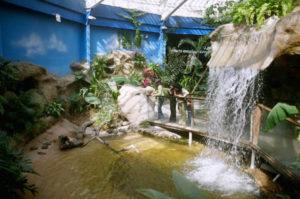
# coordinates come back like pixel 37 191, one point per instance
pixel 164 8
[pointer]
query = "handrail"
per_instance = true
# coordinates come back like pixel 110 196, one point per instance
pixel 288 118
pixel 196 98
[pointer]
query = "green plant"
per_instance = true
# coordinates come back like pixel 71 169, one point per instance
pixel 126 40
pixel 76 103
pixel 144 124
pixel 283 196
pixel 158 73
pixel 7 77
pixel 133 18
pixel 185 189
pixel 215 15
pixel 196 62
pixel 98 67
pixel 12 168
pixel 278 113
pixel 140 60
pixel 257 11
pixel 14 106
pixel 135 78
pixel 53 109
pixel 188 82
pixel 175 66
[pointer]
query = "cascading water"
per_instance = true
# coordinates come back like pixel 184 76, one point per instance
pixel 232 93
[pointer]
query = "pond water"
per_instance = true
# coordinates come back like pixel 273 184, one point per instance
pixel 96 172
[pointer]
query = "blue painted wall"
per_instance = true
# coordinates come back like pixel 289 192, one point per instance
pixel 29 32
pixel 103 40
pixel 38 38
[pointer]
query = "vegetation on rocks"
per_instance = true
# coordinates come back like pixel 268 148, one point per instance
pixel 13 166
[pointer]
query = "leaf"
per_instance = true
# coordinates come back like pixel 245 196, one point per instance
pixel 185 188
pixel 119 79
pixel 150 193
pixel 279 112
pixel 112 85
pixel 92 99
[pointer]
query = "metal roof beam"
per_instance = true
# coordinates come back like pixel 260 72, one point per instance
pixel 164 17
pixel 89 4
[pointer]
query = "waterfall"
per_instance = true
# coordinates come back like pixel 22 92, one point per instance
pixel 232 93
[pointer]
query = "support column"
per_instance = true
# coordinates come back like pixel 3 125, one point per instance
pixel 87 39
pixel 162 45
pixel 255 126
pixel 190 138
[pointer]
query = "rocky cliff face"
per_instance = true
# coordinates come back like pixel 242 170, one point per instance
pixel 241 46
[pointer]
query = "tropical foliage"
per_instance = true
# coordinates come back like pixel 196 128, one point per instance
pixel 279 112
pixel 185 189
pixel 246 11
pixel 215 15
pixel 12 168
pixel 140 60
pixel 257 11
pixel 196 62
pixel 132 16
pixel 53 109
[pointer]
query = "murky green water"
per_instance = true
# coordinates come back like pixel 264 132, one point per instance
pixel 96 172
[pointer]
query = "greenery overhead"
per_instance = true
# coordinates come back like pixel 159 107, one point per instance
pixel 250 12
pixel 257 11
pixel 278 113
pixel 185 189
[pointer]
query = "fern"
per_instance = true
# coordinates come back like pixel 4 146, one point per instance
pixel 257 11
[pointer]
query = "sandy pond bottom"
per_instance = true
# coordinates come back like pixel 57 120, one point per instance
pixel 96 172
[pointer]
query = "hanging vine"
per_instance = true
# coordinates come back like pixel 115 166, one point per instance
pixel 133 18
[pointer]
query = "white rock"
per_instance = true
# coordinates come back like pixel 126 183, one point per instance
pixel 135 104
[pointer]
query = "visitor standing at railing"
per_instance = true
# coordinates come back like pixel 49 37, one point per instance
pixel 161 92
pixel 181 92
pixel 172 102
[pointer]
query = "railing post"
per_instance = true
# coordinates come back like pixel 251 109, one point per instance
pixel 192 114
pixel 255 126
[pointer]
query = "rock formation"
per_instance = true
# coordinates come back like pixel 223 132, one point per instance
pixel 135 103
pixel 241 46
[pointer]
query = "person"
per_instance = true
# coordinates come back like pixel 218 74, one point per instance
pixel 181 92
pixel 172 102
pixel 160 92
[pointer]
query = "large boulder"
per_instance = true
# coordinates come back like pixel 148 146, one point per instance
pixel 82 66
pixel 32 76
pixel 68 85
pixel 120 62
pixel 136 104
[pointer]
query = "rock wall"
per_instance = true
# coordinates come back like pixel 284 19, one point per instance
pixel 241 46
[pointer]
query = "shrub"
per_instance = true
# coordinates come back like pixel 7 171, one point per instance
pixel 53 109
pixel 12 168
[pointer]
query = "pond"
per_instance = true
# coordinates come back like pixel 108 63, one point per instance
pixel 96 172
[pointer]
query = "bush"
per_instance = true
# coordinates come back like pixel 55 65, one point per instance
pixel 12 168
pixel 53 109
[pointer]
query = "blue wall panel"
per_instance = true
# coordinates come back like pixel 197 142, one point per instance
pixel 105 39
pixel 38 38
